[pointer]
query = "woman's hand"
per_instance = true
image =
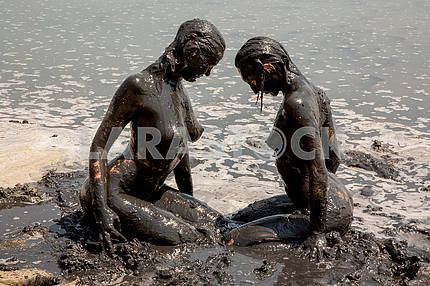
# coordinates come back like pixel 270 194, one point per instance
pixel 108 224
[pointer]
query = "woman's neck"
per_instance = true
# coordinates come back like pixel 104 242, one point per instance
pixel 292 83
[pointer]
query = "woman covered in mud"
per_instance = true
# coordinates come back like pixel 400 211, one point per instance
pixel 128 195
pixel 129 191
pixel 309 159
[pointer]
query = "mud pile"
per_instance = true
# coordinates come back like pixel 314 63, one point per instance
pixel 67 248
pixel 21 195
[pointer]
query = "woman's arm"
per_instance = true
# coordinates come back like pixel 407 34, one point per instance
pixel 119 113
pixel 303 117
pixel 333 160
pixel 183 177
pixel 193 126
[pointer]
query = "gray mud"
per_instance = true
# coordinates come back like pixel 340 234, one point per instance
pixel 21 195
pixel 56 239
pixel 383 166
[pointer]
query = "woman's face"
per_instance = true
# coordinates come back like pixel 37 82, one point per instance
pixel 262 77
pixel 198 62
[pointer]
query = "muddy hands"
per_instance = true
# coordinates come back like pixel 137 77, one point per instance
pixel 108 224
pixel 315 247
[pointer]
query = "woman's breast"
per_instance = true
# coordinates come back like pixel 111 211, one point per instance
pixel 157 131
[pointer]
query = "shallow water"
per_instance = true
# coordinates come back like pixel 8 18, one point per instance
pixel 61 62
pixel 29 249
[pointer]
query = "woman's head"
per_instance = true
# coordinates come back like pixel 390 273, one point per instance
pixel 265 65
pixel 197 48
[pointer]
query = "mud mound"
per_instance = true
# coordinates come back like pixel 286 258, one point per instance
pixel 383 166
pixel 355 259
pixel 21 195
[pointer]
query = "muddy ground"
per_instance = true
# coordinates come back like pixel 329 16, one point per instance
pixel 43 228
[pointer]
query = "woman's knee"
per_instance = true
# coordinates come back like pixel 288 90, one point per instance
pixel 339 206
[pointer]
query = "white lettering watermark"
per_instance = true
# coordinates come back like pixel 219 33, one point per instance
pixel 305 143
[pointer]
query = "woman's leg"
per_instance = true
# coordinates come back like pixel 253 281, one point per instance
pixel 204 218
pixel 291 227
pixel 339 206
pixel 281 204
pixel 143 219
pixel 187 207
pixel 271 228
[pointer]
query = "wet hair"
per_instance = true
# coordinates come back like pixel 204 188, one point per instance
pixel 201 34
pixel 259 49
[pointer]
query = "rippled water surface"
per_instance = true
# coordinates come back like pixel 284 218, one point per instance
pixel 61 62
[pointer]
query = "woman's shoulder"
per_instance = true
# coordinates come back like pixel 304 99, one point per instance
pixel 139 82
pixel 301 105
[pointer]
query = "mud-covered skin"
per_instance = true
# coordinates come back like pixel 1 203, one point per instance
pixel 123 191
pixel 279 219
pixel 266 66
pixel 189 208
pixel 268 229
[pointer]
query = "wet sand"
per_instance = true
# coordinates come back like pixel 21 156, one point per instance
pixel 28 151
